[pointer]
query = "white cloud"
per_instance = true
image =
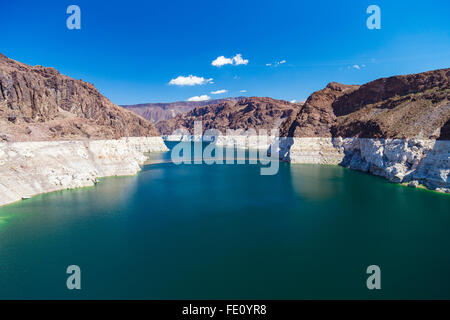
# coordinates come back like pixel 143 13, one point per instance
pixel 357 67
pixel 199 98
pixel 219 91
pixel 189 81
pixel 282 61
pixel 221 61
pixel 293 101
pixel 236 60
pixel 268 64
pixel 239 60
pixel 243 91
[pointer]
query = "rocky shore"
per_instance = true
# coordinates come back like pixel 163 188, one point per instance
pixel 396 127
pixel 61 133
pixel 31 168
pixel 414 162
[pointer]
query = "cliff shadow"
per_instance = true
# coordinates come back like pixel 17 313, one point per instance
pixel 284 148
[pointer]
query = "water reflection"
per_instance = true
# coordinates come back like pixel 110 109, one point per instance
pixel 157 157
pixel 316 182
pixel 108 195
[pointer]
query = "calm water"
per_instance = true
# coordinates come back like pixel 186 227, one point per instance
pixel 225 231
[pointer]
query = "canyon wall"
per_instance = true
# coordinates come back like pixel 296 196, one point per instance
pixel 396 127
pixel 59 133
pixel 414 162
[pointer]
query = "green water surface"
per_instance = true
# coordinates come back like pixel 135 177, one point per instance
pixel 226 232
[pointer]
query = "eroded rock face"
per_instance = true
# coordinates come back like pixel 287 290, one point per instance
pixel 399 107
pixel 412 161
pixel 38 103
pixel 397 128
pixel 30 168
pixel 93 137
pixel 316 116
pixel 315 150
pixel 248 113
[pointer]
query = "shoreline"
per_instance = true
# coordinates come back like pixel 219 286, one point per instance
pixel 31 168
pixel 28 169
pixel 100 179
pixel 415 162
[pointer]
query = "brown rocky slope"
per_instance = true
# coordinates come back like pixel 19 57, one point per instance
pixel 397 128
pixel 247 113
pixel 407 106
pixel 156 112
pixel 38 103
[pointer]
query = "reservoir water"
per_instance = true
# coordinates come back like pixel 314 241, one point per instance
pixel 227 232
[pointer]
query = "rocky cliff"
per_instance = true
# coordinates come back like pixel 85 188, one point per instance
pixel 408 106
pixel 316 116
pixel 38 103
pixel 395 127
pixel 59 133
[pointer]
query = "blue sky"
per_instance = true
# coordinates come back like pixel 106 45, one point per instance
pixel 132 49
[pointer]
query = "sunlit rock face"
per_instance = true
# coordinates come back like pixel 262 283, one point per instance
pixel 60 133
pixel 41 104
pixel 247 114
pixel 414 161
pixel 397 128
pixel 30 168
pixel 309 150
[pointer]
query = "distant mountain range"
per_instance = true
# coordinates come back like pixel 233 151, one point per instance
pixel 156 112
pixel 243 113
pixel 402 107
